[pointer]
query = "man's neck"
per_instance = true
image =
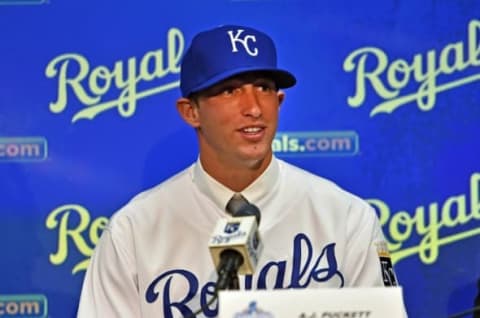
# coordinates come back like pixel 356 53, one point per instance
pixel 236 177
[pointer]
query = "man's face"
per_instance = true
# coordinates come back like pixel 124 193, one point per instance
pixel 237 119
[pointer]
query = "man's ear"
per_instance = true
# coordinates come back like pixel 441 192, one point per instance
pixel 281 97
pixel 188 110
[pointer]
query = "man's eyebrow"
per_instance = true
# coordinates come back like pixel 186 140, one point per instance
pixel 263 79
pixel 248 79
pixel 238 81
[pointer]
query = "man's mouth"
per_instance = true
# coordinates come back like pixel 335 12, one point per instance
pixel 252 130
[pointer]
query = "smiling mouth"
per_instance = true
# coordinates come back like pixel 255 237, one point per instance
pixel 251 130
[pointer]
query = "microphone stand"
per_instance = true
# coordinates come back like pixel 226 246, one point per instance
pixel 475 310
pixel 466 312
pixel 234 284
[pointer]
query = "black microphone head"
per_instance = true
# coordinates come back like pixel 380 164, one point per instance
pixel 249 210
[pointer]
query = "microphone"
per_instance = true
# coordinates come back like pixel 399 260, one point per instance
pixel 235 246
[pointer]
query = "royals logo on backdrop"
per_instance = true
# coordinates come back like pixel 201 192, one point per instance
pixel 450 215
pixel 89 85
pixel 425 70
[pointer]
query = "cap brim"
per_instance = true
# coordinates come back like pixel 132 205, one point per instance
pixel 282 78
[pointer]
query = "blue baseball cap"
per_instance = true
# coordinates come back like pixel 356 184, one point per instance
pixel 217 54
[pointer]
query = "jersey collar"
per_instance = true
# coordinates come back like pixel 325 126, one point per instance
pixel 256 193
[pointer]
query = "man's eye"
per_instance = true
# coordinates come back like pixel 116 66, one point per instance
pixel 227 90
pixel 265 87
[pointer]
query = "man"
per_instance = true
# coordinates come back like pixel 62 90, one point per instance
pixel 153 261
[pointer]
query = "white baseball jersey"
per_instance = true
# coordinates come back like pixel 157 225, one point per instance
pixel 153 261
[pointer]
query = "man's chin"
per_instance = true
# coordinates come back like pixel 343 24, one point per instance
pixel 255 159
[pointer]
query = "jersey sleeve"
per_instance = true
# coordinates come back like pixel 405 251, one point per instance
pixel 110 286
pixel 368 260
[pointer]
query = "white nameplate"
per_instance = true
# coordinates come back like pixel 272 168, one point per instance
pixel 376 302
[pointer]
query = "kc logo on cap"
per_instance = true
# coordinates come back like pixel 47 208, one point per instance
pixel 217 54
pixel 245 42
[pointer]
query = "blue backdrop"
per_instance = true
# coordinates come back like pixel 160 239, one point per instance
pixel 387 106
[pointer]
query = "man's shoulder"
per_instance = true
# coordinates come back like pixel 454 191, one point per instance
pixel 152 200
pixel 172 186
pixel 317 185
pixel 307 178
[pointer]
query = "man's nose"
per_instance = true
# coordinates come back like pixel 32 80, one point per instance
pixel 250 102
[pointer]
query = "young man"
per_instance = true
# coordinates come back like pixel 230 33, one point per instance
pixel 153 260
